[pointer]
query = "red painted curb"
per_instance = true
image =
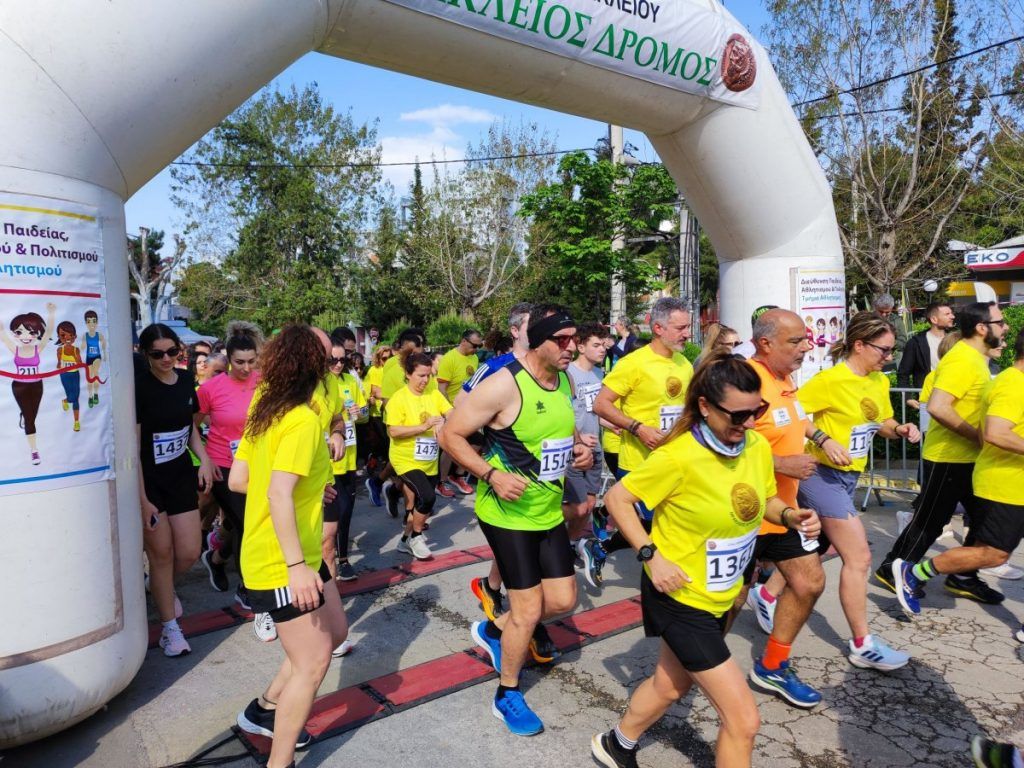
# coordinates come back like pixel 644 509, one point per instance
pixel 224 618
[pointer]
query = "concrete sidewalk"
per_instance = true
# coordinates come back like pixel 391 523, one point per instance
pixel 966 678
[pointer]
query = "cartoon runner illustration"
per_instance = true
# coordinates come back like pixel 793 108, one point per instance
pixel 68 357
pixel 29 331
pixel 94 345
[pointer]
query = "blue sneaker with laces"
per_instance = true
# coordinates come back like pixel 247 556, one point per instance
pixel 511 708
pixel 599 523
pixel 488 643
pixel 373 487
pixel 906 584
pixel 784 683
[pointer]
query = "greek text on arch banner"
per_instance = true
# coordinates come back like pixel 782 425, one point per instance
pixel 679 45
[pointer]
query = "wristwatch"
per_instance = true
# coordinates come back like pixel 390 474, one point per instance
pixel 646 552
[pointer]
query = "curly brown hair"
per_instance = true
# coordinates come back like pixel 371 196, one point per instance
pixel 294 363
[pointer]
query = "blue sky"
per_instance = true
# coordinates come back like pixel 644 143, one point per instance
pixel 416 119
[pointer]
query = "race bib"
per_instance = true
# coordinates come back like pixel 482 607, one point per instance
pixel 233 445
pixel 781 417
pixel 555 458
pixel 350 434
pixel 588 394
pixel 727 559
pixel 425 449
pixel 668 415
pixel 860 440
pixel 28 370
pixel 167 446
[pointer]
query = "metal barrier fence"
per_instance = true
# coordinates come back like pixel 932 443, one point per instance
pixel 896 470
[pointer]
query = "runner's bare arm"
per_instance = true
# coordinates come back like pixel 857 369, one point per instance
pixel 940 408
pixel 665 575
pixel 604 407
pixel 475 411
pixel 999 432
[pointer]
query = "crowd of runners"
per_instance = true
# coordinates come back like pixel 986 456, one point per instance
pixel 727 481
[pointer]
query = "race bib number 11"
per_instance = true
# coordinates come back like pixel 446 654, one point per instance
pixel 860 440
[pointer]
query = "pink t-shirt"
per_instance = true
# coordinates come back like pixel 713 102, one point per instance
pixel 226 401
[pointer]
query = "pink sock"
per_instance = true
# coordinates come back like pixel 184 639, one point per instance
pixel 859 641
pixel 767 596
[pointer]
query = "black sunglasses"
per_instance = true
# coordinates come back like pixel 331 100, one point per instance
pixel 738 418
pixel 336 360
pixel 563 342
pixel 157 354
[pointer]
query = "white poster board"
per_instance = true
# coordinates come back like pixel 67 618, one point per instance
pixel 674 43
pixel 56 423
pixel 819 297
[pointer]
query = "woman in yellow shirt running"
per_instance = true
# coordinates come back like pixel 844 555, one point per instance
pixel 283 467
pixel 709 483
pixel 849 403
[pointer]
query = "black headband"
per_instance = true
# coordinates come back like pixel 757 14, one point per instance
pixel 548 327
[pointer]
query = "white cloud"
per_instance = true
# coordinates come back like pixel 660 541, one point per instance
pixel 441 142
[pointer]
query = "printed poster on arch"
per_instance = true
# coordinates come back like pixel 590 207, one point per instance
pixel 56 421
pixel 819 297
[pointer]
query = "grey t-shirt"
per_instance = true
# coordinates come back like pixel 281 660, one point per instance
pixel 586 385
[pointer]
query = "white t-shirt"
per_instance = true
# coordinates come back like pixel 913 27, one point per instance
pixel 933 349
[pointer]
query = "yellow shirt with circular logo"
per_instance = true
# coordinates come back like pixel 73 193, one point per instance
pixel 295 444
pixel 652 389
pixel 407 409
pixel 964 374
pixel 456 368
pixel 848 408
pixel 998 473
pixel 707 513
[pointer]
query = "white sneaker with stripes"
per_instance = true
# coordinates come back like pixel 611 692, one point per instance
pixel 875 654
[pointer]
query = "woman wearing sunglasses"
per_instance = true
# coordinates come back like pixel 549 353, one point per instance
pixel 718 337
pixel 850 404
pixel 165 405
pixel 709 483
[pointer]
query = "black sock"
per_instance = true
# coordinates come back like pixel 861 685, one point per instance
pixel 414 534
pixel 503 688
pixel 405 537
pixel 491 630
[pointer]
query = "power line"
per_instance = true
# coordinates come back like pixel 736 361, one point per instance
pixel 384 165
pixel 908 73
pixel 1017 92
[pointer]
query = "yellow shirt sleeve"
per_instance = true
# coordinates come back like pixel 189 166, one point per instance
pixel 623 377
pixel 954 379
pixel 813 395
pixel 395 414
pixel 446 368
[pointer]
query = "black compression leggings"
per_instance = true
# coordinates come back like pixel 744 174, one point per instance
pixel 423 489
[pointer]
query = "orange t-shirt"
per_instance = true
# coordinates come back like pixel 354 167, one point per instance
pixel 784 426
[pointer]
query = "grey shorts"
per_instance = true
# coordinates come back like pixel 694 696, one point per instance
pixel 581 483
pixel 829 492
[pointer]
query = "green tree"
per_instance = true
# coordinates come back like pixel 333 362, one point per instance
pixel 575 219
pixel 278 194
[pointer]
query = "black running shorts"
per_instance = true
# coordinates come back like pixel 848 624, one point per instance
pixel 998 524
pixel 172 487
pixel 525 558
pixel 696 637
pixel 775 547
pixel 278 602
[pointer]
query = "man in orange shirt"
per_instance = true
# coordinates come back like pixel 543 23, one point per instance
pixel 781 344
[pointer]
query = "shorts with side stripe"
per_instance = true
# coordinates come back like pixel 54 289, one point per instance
pixel 278 602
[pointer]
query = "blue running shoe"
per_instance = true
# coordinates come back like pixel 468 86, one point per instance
pixel 784 683
pixel 373 487
pixel 488 643
pixel 599 523
pixel 593 556
pixel 906 583
pixel 512 709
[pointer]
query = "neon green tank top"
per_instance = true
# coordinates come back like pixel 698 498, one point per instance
pixel 538 446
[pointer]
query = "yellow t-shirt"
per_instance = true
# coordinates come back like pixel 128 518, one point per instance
pixel 347 389
pixel 848 408
pixel 407 409
pixel 707 512
pixel 964 374
pixel 998 473
pixel 610 441
pixel 372 379
pixel 652 390
pixel 926 388
pixel 326 404
pixel 456 368
pixel 393 379
pixel 295 444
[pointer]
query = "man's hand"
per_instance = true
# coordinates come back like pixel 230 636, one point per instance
pixel 582 456
pixel 805 521
pixel 336 446
pixel 650 436
pixel 330 494
pixel 507 485
pixel 589 440
pixel 801 465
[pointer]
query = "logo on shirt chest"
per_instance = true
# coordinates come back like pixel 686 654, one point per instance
pixel 869 409
pixel 469 370
pixel 745 503
pixel 541 408
pixel 673 386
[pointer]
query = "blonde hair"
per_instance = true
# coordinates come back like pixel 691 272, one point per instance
pixel 864 327
pixel 714 332
pixel 948 342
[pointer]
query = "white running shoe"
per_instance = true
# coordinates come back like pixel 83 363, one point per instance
pixel 343 649
pixel 1004 571
pixel 1019 634
pixel 875 654
pixel 419 547
pixel 173 641
pixel 764 610
pixel 264 628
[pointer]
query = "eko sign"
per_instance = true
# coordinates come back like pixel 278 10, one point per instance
pixel 995 258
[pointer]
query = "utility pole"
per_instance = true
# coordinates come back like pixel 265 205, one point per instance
pixel 689 268
pixel 618 306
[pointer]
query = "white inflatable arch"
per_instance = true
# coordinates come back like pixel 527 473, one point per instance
pixel 98 97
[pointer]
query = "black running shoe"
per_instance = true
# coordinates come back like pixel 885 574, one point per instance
pixel 608 752
pixel 973 588
pixel 992 754
pixel 542 648
pixel 217 572
pixel 258 721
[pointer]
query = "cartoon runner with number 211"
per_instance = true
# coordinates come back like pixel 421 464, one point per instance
pixel 29 331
